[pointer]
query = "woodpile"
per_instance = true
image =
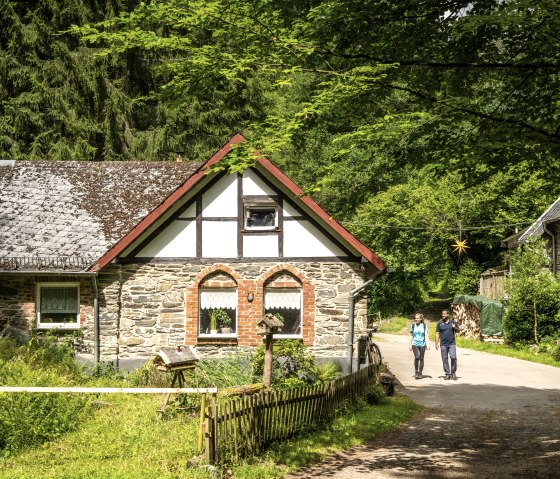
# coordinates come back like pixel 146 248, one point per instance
pixel 468 317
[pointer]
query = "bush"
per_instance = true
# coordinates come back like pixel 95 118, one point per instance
pixel 375 394
pixel 466 280
pixel 293 365
pixel 551 345
pixel 532 311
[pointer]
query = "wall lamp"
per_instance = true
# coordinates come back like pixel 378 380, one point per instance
pixel 250 297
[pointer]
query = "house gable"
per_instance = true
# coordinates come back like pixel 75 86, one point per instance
pixel 219 203
pixel 220 231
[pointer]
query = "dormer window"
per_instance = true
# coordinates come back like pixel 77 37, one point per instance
pixel 260 214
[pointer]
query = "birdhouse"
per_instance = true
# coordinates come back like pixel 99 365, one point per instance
pixel 176 358
pixel 269 324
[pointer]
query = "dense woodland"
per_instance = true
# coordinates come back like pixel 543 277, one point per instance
pixel 414 123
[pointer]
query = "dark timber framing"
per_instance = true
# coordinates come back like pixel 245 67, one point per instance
pixel 279 200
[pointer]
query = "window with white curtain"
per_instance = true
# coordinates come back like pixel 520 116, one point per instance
pixel 286 302
pixel 220 303
pixel 58 305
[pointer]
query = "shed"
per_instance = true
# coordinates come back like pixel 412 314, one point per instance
pixel 490 313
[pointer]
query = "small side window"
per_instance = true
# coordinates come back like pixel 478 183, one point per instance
pixel 58 306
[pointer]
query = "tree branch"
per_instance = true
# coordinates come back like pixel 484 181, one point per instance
pixel 419 63
pixel 553 136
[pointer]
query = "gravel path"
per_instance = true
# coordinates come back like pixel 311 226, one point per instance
pixel 500 419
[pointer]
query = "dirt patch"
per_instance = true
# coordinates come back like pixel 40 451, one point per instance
pixel 455 443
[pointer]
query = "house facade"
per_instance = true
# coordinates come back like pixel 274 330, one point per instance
pixel 133 257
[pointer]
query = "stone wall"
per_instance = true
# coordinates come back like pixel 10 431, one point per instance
pixel 147 306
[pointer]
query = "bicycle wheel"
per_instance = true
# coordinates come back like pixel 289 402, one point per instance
pixel 375 354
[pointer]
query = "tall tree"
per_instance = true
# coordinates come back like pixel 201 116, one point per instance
pixel 414 122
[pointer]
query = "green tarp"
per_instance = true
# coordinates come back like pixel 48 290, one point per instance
pixel 490 312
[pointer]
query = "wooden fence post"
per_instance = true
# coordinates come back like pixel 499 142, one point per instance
pixel 201 423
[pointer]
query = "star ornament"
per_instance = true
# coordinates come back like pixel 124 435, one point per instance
pixel 460 246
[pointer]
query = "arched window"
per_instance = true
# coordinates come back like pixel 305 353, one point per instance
pixel 283 297
pixel 217 306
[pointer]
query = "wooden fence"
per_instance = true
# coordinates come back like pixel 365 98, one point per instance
pixel 238 427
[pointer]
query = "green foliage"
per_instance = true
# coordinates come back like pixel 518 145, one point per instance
pixel 293 365
pixel 219 318
pixel 466 280
pixel 533 306
pixel 397 292
pixel 375 394
pixel 551 345
pixel 28 419
pixel 225 372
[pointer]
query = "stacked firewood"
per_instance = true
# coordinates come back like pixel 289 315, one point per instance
pixel 468 317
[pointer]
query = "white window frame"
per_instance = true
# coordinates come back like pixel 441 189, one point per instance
pixel 40 324
pixel 260 205
pixel 288 336
pixel 219 335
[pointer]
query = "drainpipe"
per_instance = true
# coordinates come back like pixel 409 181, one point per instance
pixel 95 320
pixel 545 227
pixel 353 294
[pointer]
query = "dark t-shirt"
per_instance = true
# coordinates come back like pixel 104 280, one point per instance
pixel 446 332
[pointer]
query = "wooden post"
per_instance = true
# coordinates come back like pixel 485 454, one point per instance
pixel 201 423
pixel 267 369
pixel 210 430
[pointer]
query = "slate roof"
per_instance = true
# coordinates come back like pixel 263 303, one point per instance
pixel 64 215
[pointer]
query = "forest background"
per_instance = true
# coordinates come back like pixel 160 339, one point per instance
pixel 414 123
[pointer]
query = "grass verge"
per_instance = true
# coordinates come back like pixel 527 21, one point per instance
pixel 352 429
pixel 524 353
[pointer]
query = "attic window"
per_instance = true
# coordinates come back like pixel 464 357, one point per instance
pixel 260 215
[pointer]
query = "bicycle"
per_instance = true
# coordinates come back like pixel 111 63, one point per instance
pixel 373 351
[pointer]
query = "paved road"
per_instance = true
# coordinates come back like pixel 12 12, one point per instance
pixel 486 381
pixel 500 419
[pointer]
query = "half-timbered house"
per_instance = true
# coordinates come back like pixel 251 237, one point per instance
pixel 136 256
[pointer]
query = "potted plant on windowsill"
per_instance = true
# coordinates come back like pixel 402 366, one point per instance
pixel 224 322
pixel 219 319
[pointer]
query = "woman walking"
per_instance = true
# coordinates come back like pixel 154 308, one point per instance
pixel 419 343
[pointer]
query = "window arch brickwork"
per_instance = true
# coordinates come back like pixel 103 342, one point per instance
pixel 222 275
pixel 215 276
pixel 275 277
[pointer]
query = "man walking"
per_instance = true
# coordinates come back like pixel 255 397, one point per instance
pixel 445 337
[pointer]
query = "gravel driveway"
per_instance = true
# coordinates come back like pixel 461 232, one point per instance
pixel 500 419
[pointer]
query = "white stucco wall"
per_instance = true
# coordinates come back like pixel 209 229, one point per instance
pixel 302 239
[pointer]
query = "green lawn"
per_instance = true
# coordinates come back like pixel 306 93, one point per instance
pixel 401 325
pixel 124 438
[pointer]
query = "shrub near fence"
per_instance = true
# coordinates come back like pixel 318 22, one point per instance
pixel 238 427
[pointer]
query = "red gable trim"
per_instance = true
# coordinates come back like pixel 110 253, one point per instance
pixel 332 223
pixel 125 242
pixel 133 234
